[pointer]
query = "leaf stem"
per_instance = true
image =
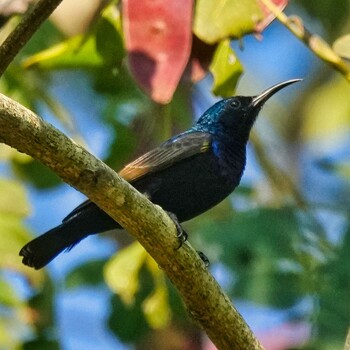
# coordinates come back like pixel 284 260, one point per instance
pixel 314 42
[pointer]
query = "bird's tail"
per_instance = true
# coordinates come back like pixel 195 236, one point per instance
pixel 41 250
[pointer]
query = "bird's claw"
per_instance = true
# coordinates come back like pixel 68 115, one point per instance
pixel 204 258
pixel 181 233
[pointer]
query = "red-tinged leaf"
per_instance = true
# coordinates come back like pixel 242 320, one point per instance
pixel 13 7
pixel 158 37
pixel 268 16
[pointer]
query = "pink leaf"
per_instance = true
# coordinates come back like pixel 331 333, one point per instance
pixel 158 38
pixel 268 16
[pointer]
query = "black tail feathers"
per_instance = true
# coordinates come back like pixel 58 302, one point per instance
pixel 41 250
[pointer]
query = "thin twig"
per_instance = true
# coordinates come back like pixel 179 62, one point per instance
pixel 314 42
pixel 31 21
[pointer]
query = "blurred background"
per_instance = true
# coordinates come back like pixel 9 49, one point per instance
pixel 279 246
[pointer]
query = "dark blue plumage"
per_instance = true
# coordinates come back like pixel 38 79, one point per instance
pixel 186 175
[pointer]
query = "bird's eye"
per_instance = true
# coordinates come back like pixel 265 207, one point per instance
pixel 235 104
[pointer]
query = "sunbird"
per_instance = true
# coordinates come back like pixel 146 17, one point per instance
pixel 186 175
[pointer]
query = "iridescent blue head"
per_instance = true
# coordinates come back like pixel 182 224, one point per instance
pixel 236 115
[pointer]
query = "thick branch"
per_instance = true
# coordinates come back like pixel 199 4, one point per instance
pixel 29 24
pixel 206 302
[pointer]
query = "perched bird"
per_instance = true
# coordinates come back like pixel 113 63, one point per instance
pixel 186 175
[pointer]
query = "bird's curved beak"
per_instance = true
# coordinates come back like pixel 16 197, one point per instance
pixel 265 95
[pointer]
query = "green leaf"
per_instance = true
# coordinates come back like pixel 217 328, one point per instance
pixel 122 146
pixel 88 274
pixel 109 43
pixel 219 19
pixel 92 51
pixel 47 36
pixel 69 54
pixel 118 84
pixel 257 245
pixel 226 70
pixel 122 272
pixel 127 321
pixel 333 294
pixel 43 304
pixel 36 173
pixel 331 18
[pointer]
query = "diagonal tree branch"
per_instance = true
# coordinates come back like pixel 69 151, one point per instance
pixel 206 302
pixel 31 21
pixel 314 42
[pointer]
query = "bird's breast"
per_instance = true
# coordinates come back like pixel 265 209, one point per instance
pixel 192 186
pixel 231 159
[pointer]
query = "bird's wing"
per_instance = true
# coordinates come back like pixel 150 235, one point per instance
pixel 178 148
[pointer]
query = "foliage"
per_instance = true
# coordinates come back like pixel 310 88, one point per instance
pixel 280 239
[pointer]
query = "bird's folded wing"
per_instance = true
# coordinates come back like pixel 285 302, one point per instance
pixel 176 149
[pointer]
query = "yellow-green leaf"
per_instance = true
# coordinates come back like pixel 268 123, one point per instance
pixel 218 19
pixel 122 271
pixel 226 70
pixel 13 198
pixel 327 111
pixel 72 53
pixel 156 307
pixel 103 45
pixel 342 46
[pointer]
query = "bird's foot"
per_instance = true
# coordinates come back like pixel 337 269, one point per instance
pixel 181 233
pixel 204 258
